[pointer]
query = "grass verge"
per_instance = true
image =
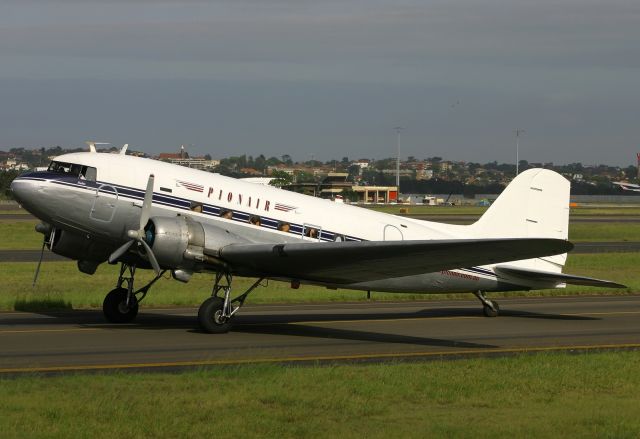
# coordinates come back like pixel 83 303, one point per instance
pixel 544 395
pixel 604 232
pixel 19 235
pixel 61 283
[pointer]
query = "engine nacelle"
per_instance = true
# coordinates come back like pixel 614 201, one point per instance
pixel 77 246
pixel 180 242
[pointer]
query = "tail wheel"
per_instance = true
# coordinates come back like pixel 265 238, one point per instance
pixel 210 316
pixel 116 309
pixel 491 312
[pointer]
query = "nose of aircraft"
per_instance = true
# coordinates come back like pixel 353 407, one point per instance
pixel 24 190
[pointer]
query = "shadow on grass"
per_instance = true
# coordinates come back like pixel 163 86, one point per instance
pixel 31 305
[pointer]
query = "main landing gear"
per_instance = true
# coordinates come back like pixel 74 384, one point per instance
pixel 121 304
pixel 216 312
pixel 490 308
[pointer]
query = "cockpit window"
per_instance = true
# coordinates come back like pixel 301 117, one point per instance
pixel 82 172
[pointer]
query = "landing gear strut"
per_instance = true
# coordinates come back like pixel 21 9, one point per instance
pixel 216 312
pixel 490 308
pixel 121 304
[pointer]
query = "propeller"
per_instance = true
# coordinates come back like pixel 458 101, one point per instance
pixel 140 235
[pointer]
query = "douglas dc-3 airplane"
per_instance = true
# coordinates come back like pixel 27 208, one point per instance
pixel 142 213
pixel 625 186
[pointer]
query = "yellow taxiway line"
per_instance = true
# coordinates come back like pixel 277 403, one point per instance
pixel 357 357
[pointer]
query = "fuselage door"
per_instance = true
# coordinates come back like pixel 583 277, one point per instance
pixel 392 233
pixel 104 204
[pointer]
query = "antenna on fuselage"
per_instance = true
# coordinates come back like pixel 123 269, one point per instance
pixel 92 145
pixel 123 150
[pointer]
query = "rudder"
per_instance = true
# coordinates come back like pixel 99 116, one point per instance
pixel 534 205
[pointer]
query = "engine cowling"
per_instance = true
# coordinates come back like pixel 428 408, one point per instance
pixel 180 242
pixel 77 246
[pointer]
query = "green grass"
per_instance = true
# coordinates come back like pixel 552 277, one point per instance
pixel 19 235
pixel 13 211
pixel 614 232
pixel 544 395
pixel 61 285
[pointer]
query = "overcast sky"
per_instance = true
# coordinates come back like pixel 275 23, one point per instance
pixel 326 78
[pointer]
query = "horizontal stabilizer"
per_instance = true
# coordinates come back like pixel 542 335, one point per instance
pixel 548 276
pixel 351 262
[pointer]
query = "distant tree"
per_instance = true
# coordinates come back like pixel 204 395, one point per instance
pixel 354 171
pixel 280 178
pixel 260 163
pixel 631 173
pixel 273 161
pixel 349 195
pixel 304 177
pixel 286 159
pixel 6 177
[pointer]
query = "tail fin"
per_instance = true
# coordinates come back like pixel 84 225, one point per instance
pixel 534 205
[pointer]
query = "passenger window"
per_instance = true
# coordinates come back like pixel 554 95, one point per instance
pixel 311 231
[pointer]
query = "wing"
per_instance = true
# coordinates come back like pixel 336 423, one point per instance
pixel 350 262
pixel 548 276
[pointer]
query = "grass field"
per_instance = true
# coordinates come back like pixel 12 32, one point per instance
pixel 544 395
pixel 61 285
pixel 19 235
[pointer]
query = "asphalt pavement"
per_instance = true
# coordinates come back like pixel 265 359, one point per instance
pixel 168 339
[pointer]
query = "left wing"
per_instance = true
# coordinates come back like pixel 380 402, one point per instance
pixel 548 276
pixel 351 262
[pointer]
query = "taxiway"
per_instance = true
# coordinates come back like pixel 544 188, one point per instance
pixel 164 339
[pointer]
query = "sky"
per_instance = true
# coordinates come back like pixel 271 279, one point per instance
pixel 326 79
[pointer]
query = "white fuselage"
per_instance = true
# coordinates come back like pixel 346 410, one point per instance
pixel 106 208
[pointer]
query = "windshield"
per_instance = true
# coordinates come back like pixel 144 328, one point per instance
pixel 73 169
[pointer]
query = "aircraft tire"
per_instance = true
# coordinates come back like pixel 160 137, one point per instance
pixel 490 312
pixel 207 316
pixel 115 307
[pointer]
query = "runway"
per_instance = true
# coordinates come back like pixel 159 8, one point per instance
pixel 345 332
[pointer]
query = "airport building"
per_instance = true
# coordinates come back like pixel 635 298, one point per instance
pixel 336 184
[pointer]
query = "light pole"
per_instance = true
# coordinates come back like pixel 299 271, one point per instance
pixel 518 132
pixel 398 130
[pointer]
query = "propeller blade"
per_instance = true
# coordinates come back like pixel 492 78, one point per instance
pixel 35 276
pixel 151 257
pixel 113 257
pixel 146 204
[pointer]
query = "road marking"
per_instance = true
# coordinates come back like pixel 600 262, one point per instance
pixel 467 352
pixel 29 331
